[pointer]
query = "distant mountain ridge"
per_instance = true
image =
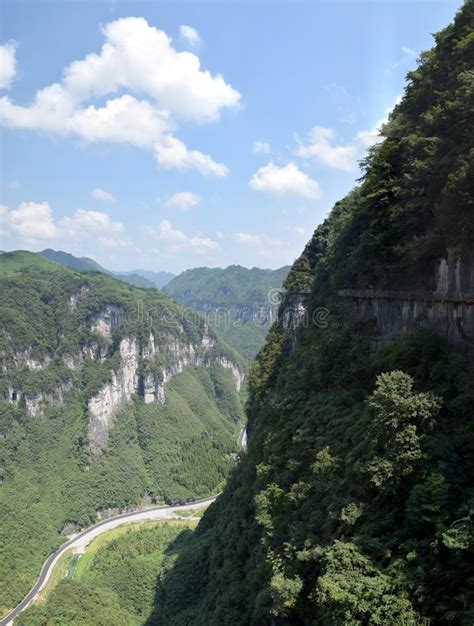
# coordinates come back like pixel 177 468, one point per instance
pixel 159 279
pixel 137 278
pixel 237 301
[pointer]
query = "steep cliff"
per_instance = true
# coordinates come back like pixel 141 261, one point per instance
pixel 353 505
pixel 110 397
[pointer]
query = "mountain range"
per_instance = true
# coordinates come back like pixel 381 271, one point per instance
pixel 111 397
pixel 238 302
pixel 137 278
pixel 353 503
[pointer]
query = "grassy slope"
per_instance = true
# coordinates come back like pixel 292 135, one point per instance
pixel 177 451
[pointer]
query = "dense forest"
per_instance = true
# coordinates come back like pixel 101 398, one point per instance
pixel 353 505
pixel 239 303
pixel 58 466
pixel 113 583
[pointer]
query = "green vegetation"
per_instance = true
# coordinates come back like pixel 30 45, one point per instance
pixel 353 505
pixel 237 302
pixel 117 583
pixel 89 265
pixel 176 451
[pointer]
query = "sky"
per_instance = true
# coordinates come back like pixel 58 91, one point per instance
pixel 171 135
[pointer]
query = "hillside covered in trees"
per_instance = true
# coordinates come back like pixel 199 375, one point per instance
pixel 111 397
pixel 137 278
pixel 239 303
pixel 354 503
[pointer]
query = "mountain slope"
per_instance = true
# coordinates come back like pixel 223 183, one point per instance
pixel 159 279
pixel 111 397
pixel 69 260
pixel 86 264
pixel 239 303
pixel 354 503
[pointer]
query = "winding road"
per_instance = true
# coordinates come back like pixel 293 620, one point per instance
pixel 80 541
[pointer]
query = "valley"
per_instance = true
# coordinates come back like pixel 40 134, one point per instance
pixel 253 430
pixel 112 399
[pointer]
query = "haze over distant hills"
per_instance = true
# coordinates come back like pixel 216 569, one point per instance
pixel 238 302
pixel 159 279
pixel 137 278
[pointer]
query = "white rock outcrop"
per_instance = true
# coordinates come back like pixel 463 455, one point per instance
pixel 107 321
pixel 114 395
pixel 127 382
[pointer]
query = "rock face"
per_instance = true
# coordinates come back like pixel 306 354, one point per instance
pixel 145 367
pixel 36 404
pixel 114 395
pixel 110 319
pixel 139 375
pixel 449 310
pixel 293 313
pixel 455 275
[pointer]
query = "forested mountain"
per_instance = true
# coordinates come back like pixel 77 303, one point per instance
pixel 110 397
pixel 86 264
pixel 354 504
pixel 159 279
pixel 69 260
pixel 239 303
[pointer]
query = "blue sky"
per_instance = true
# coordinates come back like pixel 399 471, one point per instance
pixel 175 135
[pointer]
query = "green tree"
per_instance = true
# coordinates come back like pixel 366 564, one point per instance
pixel 400 418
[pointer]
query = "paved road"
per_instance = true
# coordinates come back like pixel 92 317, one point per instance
pixel 81 540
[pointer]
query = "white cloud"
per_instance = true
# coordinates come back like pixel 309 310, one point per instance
pixel 284 180
pixel 261 245
pixel 260 147
pixel 121 120
pixel 175 240
pixel 100 194
pixel 410 52
pixel 167 234
pixel 320 147
pixel 183 200
pixel 33 220
pixel 85 222
pixel 171 153
pixel 138 58
pixel 7 64
pixel 369 138
pixel 202 245
pixel 141 58
pixel 189 35
pixel 299 230
pixel 114 243
pixel 247 239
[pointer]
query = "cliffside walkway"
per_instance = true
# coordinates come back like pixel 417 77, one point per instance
pixel 408 296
